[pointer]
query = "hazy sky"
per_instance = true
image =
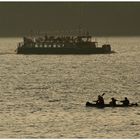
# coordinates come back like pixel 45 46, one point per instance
pixel 102 18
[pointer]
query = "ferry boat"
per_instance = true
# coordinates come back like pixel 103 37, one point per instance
pixel 81 44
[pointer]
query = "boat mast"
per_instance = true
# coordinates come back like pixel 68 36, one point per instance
pixel 82 30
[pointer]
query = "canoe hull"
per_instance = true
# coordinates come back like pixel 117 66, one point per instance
pixel 88 104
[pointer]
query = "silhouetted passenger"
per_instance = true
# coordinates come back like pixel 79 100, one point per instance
pixel 125 101
pixel 100 100
pixel 113 102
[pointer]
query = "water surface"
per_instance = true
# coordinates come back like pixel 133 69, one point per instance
pixel 44 96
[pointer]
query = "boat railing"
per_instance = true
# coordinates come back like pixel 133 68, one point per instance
pixel 20 44
pixel 57 45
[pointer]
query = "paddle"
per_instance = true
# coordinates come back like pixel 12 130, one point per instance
pixel 100 95
pixel 135 104
pixel 103 94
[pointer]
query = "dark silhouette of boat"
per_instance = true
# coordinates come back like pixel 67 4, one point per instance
pixel 81 44
pixel 88 104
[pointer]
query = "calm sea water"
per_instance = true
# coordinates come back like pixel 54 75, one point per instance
pixel 44 96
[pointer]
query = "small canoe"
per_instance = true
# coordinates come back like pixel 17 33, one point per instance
pixel 88 104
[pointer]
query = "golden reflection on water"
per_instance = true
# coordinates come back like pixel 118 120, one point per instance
pixel 44 96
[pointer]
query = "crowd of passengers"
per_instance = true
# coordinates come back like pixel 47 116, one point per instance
pixel 57 39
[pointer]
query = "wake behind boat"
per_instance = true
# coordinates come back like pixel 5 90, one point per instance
pixel 88 104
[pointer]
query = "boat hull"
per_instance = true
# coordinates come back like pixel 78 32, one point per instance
pixel 28 50
pixel 88 104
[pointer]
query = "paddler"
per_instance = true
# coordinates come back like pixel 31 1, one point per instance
pixel 125 101
pixel 113 102
pixel 100 100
